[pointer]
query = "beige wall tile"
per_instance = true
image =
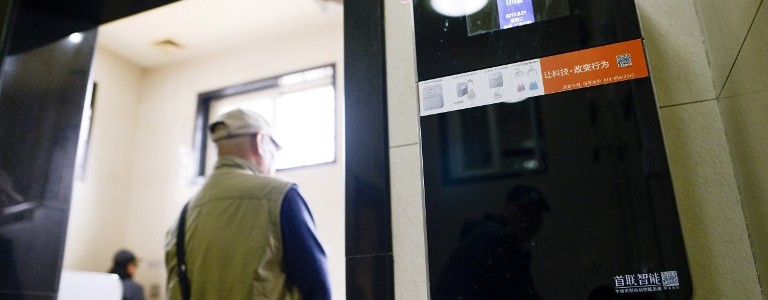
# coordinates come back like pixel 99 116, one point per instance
pixel 408 223
pixel 676 51
pixel 724 25
pixel 745 118
pixel 402 100
pixel 408 239
pixel 749 72
pixel 715 232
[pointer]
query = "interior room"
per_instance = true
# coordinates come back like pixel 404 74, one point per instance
pixel 140 156
pixel 430 140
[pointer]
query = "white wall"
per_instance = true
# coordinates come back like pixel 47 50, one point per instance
pixel 161 162
pixel 97 221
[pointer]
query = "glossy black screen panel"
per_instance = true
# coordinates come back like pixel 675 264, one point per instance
pixel 594 203
pixel 41 107
pixel 444 47
pixel 561 196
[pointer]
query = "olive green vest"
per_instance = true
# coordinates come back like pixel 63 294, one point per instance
pixel 233 242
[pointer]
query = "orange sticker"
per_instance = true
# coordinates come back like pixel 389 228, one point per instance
pixel 519 81
pixel 591 67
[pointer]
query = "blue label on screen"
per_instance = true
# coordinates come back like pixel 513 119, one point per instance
pixel 514 13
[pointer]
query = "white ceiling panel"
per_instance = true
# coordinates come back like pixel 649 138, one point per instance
pixel 205 26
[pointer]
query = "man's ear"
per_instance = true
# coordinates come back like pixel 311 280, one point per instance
pixel 259 143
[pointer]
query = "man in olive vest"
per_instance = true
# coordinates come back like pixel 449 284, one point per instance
pixel 247 234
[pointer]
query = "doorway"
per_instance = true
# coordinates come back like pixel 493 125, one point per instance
pixel 149 71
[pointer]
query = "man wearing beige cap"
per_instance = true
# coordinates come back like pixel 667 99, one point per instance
pixel 246 234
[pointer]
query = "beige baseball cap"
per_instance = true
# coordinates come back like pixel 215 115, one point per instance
pixel 240 122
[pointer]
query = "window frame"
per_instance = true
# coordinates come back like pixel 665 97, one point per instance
pixel 204 100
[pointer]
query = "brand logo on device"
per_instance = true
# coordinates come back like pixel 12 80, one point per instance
pixel 646 282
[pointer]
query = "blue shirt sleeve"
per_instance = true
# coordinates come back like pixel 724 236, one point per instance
pixel 305 260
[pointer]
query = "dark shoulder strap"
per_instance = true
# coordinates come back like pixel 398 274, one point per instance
pixel 181 255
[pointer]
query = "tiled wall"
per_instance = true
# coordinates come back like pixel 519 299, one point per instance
pixel 686 72
pixel 725 25
pixel 713 121
pixel 737 36
pixel 408 239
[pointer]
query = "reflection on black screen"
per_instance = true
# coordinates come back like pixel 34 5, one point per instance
pixel 503 14
pixel 550 198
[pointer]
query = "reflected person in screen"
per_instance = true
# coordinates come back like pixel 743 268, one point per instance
pixel 493 258
pixel 249 235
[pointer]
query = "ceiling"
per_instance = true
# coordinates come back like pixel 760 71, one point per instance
pixel 205 26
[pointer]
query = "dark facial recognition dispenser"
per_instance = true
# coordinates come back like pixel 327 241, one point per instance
pixel 545 172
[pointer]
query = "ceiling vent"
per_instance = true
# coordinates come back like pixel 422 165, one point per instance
pixel 168 46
